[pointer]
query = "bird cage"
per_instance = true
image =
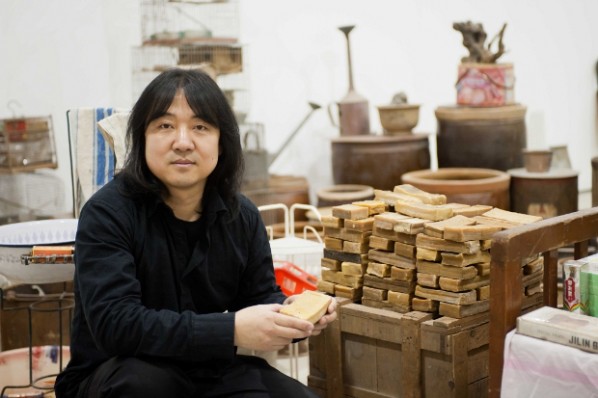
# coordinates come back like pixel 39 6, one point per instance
pixel 27 143
pixel 192 34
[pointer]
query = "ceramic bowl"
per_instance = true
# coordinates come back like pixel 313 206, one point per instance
pixel 45 361
pixel 17 239
pixel 537 161
pixel 399 118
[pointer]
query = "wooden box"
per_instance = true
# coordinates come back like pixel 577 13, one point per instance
pixel 368 352
pixel 374 353
pixel 455 357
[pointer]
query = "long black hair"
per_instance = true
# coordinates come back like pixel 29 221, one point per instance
pixel 209 103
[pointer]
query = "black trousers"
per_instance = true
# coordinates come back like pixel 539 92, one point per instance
pixel 250 377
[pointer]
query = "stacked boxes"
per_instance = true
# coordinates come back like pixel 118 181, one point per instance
pixel 346 242
pixel 453 260
pixel 413 251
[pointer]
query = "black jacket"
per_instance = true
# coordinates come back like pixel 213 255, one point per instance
pixel 136 295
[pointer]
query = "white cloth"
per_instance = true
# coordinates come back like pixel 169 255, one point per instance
pixel 538 368
pixel 114 130
pixel 93 159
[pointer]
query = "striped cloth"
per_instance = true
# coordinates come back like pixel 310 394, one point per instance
pixel 92 158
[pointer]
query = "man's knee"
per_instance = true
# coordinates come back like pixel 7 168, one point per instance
pixel 133 377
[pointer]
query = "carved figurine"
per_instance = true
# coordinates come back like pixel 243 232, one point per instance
pixel 474 38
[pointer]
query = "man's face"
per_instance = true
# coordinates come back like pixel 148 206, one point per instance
pixel 181 149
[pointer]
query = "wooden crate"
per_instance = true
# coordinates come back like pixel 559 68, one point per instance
pixel 455 356
pixel 374 353
pixel 368 352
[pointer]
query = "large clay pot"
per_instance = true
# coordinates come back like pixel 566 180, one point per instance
pixel 280 189
pixel 378 160
pixel 473 186
pixel 491 138
pixel 344 194
pixel 545 194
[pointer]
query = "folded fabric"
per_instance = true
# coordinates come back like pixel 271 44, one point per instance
pixel 114 129
pixel 92 158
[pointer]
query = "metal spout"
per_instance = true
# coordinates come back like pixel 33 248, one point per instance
pixel 346 30
pixel 313 107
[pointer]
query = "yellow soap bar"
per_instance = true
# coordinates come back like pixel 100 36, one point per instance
pixel 310 306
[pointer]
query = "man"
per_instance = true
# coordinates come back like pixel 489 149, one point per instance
pixel 173 265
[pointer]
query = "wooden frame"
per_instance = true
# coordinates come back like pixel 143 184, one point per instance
pixel 509 248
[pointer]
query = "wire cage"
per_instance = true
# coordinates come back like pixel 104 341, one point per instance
pixel 27 143
pixel 193 34
pixel 169 19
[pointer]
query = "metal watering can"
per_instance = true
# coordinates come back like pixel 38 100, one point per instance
pixel 258 160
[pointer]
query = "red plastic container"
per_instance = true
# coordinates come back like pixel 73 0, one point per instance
pixel 292 279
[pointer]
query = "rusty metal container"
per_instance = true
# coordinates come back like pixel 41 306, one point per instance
pixel 378 160
pixel 548 194
pixel 491 138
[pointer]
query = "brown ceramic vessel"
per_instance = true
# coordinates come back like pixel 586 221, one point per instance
pixel 473 186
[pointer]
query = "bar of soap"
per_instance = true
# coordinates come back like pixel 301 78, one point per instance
pixel 52 250
pixel 310 306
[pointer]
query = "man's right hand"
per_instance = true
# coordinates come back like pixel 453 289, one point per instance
pixel 263 328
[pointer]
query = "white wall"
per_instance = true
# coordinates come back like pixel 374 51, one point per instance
pixel 62 54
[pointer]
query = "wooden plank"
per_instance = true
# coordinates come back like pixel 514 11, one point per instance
pixel 356 247
pixel 432 243
pixel 411 348
pixel 374 206
pixel 404 250
pixel 379 324
pixel 470 232
pixel 342 256
pixel 424 211
pixel 389 284
pixel 388 220
pixel 462 311
pixel 447 297
pixel 424 305
pixel 436 229
pixel 394 236
pixel 333 243
pixel 429 267
pixel 349 268
pixel 373 293
pixel 463 259
pixel 378 242
pixel 380 270
pixel 350 212
pixel 402 274
pixel 461 285
pixel 334 356
pixel 390 258
pixel 363 225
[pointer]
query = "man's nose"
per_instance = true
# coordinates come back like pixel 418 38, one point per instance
pixel 183 139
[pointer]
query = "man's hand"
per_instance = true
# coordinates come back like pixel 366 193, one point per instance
pixel 262 328
pixel 329 317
